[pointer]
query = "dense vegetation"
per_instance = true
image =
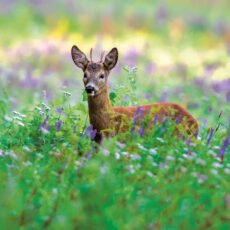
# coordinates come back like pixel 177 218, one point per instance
pixel 53 176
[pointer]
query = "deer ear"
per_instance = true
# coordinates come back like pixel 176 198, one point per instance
pixel 111 59
pixel 79 58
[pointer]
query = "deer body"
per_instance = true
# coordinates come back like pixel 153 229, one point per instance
pixel 110 120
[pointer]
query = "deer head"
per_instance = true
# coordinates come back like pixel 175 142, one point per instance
pixel 95 73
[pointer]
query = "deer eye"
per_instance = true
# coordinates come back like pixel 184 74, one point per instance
pixel 85 75
pixel 102 76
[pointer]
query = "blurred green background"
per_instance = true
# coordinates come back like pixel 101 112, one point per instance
pixel 50 175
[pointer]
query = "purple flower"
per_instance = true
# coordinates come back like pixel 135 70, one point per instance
pixel 139 114
pixel 90 132
pixel 59 110
pixel 150 68
pixel 224 147
pixel 155 120
pixel 58 125
pixel 210 136
pixel 228 96
pixel 44 123
pixel 178 119
pixel 188 142
pixel 141 131
pixel 88 155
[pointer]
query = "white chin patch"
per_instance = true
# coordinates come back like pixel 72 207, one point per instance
pixel 91 94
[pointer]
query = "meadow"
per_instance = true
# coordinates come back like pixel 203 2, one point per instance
pixel 51 174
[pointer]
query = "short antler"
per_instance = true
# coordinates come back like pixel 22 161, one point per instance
pixel 91 55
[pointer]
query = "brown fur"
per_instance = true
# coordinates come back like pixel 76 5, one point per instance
pixel 110 120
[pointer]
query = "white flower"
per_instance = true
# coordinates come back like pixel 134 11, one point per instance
pixel 7 118
pixel 211 152
pixel 227 171
pixel 214 171
pixel 217 165
pixel 54 190
pixel 202 178
pixel 117 156
pixel 170 158
pixel 125 154
pixel 149 174
pixel 131 169
pixel 103 169
pixel 27 163
pixel 200 161
pixel 181 159
pixel 12 154
pixel 26 148
pixel 141 147
pixel 120 145
pixel 183 169
pixel 20 123
pixel 153 151
pixel 194 174
pixel 154 164
pixel 160 139
pixel 105 152
pixel 135 157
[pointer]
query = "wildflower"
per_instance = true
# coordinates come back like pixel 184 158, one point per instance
pixel 227 171
pixel 26 148
pixel 7 118
pixel 178 119
pixel 183 169
pixel 43 125
pixel 103 169
pixel 131 169
pixel 58 125
pixel 153 151
pixel 217 165
pixel 154 164
pixel 181 159
pixel 200 162
pixel 160 139
pixel 135 157
pixel 120 145
pixel 27 163
pixel 155 120
pixel 170 158
pixel 210 136
pixel 224 147
pixel 141 131
pixel 1 153
pixel 202 178
pixel 88 155
pixel 45 130
pixel 125 154
pixel 90 132
pixel 54 190
pixel 46 106
pixel 211 152
pixel 59 110
pixel 117 156
pixel 141 147
pixel 214 171
pixel 20 123
pixel 194 174
pixel 150 174
pixel 105 152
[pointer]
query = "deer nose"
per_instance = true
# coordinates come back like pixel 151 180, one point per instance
pixel 90 89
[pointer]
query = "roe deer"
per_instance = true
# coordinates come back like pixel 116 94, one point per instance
pixel 110 120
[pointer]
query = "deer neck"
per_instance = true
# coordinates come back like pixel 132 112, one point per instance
pixel 99 110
